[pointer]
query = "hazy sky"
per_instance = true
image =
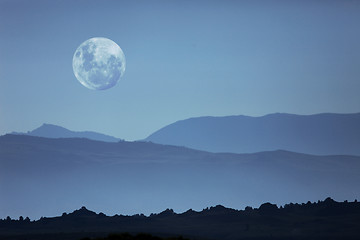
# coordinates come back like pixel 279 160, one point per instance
pixel 184 59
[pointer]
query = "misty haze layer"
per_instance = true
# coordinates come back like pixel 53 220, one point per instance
pixel 45 177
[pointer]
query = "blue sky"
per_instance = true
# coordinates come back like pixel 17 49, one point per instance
pixel 184 59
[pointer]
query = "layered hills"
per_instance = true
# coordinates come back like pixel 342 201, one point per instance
pixel 45 177
pixel 235 161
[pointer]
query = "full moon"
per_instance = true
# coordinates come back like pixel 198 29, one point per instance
pixel 98 63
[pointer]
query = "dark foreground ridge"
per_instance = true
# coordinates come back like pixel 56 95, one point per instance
pixel 326 219
pixel 139 236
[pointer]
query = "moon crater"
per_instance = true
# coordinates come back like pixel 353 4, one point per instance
pixel 99 63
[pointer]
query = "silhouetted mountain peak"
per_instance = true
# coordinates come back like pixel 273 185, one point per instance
pixel 190 212
pixel 329 201
pixel 219 209
pixel 167 212
pixel 268 208
pixel 82 212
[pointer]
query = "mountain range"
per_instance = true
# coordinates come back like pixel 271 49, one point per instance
pixel 322 134
pixel 54 131
pixel 44 177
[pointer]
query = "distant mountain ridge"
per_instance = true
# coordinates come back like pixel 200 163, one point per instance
pixel 54 131
pixel 322 134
